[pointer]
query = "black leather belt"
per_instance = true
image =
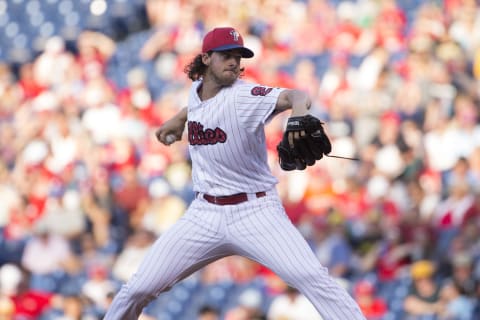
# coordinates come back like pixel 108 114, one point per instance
pixel 232 199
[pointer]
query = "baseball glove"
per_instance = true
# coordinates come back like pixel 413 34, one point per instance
pixel 308 143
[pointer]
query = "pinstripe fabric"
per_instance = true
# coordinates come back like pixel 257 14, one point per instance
pixel 258 229
pixel 241 161
pixel 194 241
pixel 261 231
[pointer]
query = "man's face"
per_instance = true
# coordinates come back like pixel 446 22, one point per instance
pixel 224 66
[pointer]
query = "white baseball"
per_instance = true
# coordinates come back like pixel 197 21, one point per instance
pixel 171 138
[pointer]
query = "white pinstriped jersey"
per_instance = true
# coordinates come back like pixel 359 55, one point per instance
pixel 227 139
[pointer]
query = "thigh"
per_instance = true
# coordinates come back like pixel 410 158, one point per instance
pixel 194 241
pixel 265 234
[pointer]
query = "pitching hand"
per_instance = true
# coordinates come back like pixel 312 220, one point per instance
pixel 172 129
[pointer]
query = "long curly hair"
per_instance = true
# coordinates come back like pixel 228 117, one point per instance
pixel 195 70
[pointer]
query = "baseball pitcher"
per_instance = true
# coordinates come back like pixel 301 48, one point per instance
pixel 237 210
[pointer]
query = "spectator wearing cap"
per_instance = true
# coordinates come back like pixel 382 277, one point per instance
pixel 423 298
pixel 372 306
pixel 97 287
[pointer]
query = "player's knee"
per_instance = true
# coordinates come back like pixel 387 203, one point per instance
pixel 309 275
pixel 137 293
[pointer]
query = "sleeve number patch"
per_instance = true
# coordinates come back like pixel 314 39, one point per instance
pixel 260 91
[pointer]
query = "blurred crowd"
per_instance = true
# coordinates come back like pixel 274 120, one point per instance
pixel 85 188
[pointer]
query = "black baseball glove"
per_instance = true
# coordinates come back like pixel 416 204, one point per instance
pixel 304 142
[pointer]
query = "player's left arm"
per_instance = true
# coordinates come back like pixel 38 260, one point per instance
pixel 304 140
pixel 297 100
pixel 300 103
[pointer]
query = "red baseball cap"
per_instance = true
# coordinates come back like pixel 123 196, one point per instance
pixel 221 39
pixel 364 287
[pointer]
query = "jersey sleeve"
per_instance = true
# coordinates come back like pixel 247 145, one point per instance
pixel 255 104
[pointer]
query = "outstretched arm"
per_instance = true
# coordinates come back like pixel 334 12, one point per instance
pixel 297 100
pixel 172 128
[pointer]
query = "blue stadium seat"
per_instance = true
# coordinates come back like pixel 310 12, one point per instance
pixel 236 291
pixel 51 315
pixel 11 29
pixel 322 62
pixel 121 8
pixel 20 41
pixel 47 29
pixel 64 7
pixel 4 20
pixel 16 8
pixel 355 60
pixel 50 11
pixel 181 293
pixel 164 315
pixel 400 292
pixel 82 6
pixel 43 282
pixel 11 251
pixel 72 19
pixel 32 7
pixel 72 285
pixel 174 307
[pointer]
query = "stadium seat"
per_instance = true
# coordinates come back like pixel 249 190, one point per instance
pixel 43 282
pixel 174 307
pixel 164 315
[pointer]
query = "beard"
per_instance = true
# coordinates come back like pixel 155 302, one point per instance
pixel 227 77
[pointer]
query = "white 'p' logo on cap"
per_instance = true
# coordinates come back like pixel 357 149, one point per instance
pixel 235 35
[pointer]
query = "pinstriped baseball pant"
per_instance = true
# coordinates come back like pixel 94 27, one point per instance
pixel 257 229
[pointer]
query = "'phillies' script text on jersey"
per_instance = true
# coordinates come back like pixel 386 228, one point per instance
pixel 197 135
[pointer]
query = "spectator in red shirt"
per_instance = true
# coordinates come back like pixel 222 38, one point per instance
pixel 372 306
pixel 131 197
pixel 25 303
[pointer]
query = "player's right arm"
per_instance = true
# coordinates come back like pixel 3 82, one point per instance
pixel 172 128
